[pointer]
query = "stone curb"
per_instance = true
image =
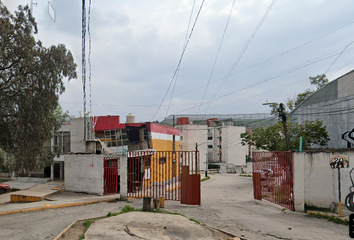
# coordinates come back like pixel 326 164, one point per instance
pixel 65 230
pixel 57 206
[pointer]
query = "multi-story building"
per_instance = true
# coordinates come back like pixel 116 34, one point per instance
pixel 224 142
pixel 192 137
pixel 218 141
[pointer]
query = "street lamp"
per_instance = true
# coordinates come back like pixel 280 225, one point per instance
pixel 282 116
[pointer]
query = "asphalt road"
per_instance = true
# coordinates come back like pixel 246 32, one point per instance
pixel 227 203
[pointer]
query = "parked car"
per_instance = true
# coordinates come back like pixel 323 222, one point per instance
pixel 4 188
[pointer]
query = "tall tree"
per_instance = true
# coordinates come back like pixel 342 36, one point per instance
pixel 31 80
pixel 272 138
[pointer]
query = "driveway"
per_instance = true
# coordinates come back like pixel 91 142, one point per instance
pixel 227 203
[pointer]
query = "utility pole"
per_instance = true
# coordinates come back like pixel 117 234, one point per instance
pixel 282 116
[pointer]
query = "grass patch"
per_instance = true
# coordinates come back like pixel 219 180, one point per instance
pixel 14 189
pixel 314 208
pixel 63 235
pixel 246 175
pixel 329 218
pixel 3 180
pixel 204 179
pixel 193 220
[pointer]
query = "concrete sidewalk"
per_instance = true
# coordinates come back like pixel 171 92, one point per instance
pixel 46 196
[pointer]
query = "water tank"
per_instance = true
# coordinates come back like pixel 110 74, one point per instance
pixel 130 118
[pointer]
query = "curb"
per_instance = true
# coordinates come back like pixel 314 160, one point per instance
pixel 65 230
pixel 57 206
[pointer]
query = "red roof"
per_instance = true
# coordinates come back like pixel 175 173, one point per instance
pixel 102 123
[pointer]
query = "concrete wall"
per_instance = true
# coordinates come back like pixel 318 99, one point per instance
pixel 84 173
pixel 330 104
pixel 232 150
pixel 191 134
pixel 316 183
pixel 78 144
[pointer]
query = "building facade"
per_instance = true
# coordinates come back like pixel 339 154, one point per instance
pixel 334 105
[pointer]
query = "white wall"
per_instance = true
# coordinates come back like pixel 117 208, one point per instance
pixel 191 134
pixel 319 181
pixel 77 135
pixel 232 150
pixel 84 173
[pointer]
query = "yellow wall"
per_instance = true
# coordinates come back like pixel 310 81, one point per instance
pixel 163 145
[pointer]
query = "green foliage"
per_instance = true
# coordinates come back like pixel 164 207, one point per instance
pixel 127 208
pixel 31 80
pixel 204 179
pixel 88 223
pixel 14 189
pixel 329 218
pixel 193 220
pixel 272 138
pixel 319 81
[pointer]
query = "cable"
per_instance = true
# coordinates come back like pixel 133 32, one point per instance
pixel 217 55
pixel 180 60
pixel 243 51
pixel 338 57
pixel 184 46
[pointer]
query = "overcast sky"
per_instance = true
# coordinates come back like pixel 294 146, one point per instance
pixel 137 45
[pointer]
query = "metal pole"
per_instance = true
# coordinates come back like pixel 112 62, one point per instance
pixel 283 118
pixel 206 165
pixel 339 194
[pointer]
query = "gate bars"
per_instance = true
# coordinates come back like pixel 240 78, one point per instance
pixel 158 173
pixel 276 177
pixel 110 175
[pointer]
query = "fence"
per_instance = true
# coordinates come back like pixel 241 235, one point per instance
pixel 275 173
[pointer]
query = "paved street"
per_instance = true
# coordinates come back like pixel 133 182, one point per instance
pixel 227 203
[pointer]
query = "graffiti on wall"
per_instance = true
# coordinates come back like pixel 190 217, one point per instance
pixel 349 138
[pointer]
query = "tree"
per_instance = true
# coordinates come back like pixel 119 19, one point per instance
pixel 31 80
pixel 318 81
pixel 272 138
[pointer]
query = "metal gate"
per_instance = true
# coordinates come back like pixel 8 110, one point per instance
pixel 159 173
pixel 110 176
pixel 273 177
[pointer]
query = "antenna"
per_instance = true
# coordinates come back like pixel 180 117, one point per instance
pixel 51 11
pixel 31 5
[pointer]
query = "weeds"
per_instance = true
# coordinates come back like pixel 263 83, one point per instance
pixel 329 218
pixel 193 220
pixel 14 189
pixel 204 179
pixel 245 175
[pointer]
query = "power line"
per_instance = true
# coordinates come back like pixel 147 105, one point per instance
pixel 243 50
pixel 338 57
pixel 184 46
pixel 180 60
pixel 217 54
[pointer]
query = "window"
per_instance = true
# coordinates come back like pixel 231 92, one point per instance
pixel 181 138
pixel 210 138
pixel 210 146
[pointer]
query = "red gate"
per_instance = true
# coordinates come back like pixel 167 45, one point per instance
pixel 110 176
pixel 158 173
pixel 275 177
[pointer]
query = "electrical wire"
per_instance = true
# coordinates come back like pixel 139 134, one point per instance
pixel 217 55
pixel 180 60
pixel 242 51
